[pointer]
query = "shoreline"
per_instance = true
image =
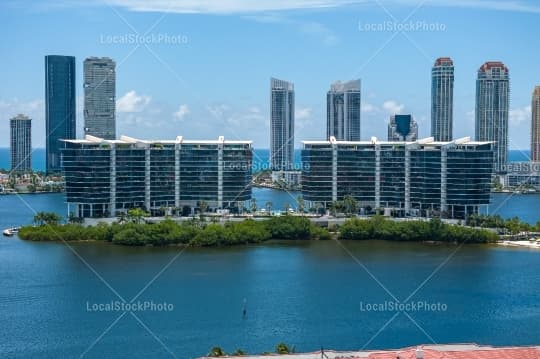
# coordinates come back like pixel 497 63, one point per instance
pixel 520 244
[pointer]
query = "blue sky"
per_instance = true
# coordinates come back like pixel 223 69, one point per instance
pixel 206 70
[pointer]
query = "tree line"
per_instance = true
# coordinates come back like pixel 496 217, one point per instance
pixel 199 233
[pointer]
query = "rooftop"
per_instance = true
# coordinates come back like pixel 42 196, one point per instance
pixel 21 117
pixel 429 141
pixel 446 61
pixel 130 140
pixel 492 64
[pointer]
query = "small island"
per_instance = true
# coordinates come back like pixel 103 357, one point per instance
pixel 134 230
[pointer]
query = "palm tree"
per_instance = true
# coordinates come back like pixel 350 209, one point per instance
pixel 122 218
pixel 301 204
pixel 49 218
pixel 253 205
pixel 283 348
pixel 268 206
pixel 203 207
pixel 239 352
pixel 136 215
pixel 286 206
pixel 216 352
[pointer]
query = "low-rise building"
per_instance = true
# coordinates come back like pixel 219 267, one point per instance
pixel 420 178
pixel 524 175
pixel 104 177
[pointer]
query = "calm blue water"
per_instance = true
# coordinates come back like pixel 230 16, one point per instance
pixel 307 294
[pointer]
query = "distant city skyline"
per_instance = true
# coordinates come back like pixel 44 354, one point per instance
pixel 193 83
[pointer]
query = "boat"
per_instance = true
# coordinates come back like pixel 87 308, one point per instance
pixel 9 232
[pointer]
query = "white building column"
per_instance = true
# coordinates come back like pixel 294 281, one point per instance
pixel 177 175
pixel 220 171
pixel 407 179
pixel 444 158
pixel 377 175
pixel 334 168
pixel 112 180
pixel 147 178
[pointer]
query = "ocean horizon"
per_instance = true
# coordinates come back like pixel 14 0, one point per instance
pixel 260 158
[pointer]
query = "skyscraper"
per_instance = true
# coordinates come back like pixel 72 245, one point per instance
pixel 492 102
pixel 281 125
pixel 535 128
pixel 343 111
pixel 402 128
pixel 442 99
pixel 60 110
pixel 21 143
pixel 100 97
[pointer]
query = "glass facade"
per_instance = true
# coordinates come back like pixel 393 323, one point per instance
pixel 356 163
pixel 317 173
pixel 442 99
pixel 104 177
pixel 343 111
pixel 87 170
pixel 492 109
pixel 100 97
pixel 21 143
pixel 425 178
pixel 392 176
pixel 60 110
pixel 281 125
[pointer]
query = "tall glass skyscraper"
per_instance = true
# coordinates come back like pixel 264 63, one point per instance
pixel 281 125
pixel 442 99
pixel 343 111
pixel 100 97
pixel 21 143
pixel 492 106
pixel 402 128
pixel 60 107
pixel 535 128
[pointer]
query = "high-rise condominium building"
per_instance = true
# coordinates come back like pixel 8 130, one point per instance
pixel 343 111
pixel 425 177
pixel 100 97
pixel 104 177
pixel 402 128
pixel 535 130
pixel 281 125
pixel 442 99
pixel 492 102
pixel 60 107
pixel 21 143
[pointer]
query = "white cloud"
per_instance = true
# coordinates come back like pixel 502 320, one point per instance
pixel 392 107
pixel 316 28
pixel 250 6
pixel 182 112
pixel 519 115
pixel 131 102
pixel 217 111
pixel 35 109
pixel 303 113
pixel 369 108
